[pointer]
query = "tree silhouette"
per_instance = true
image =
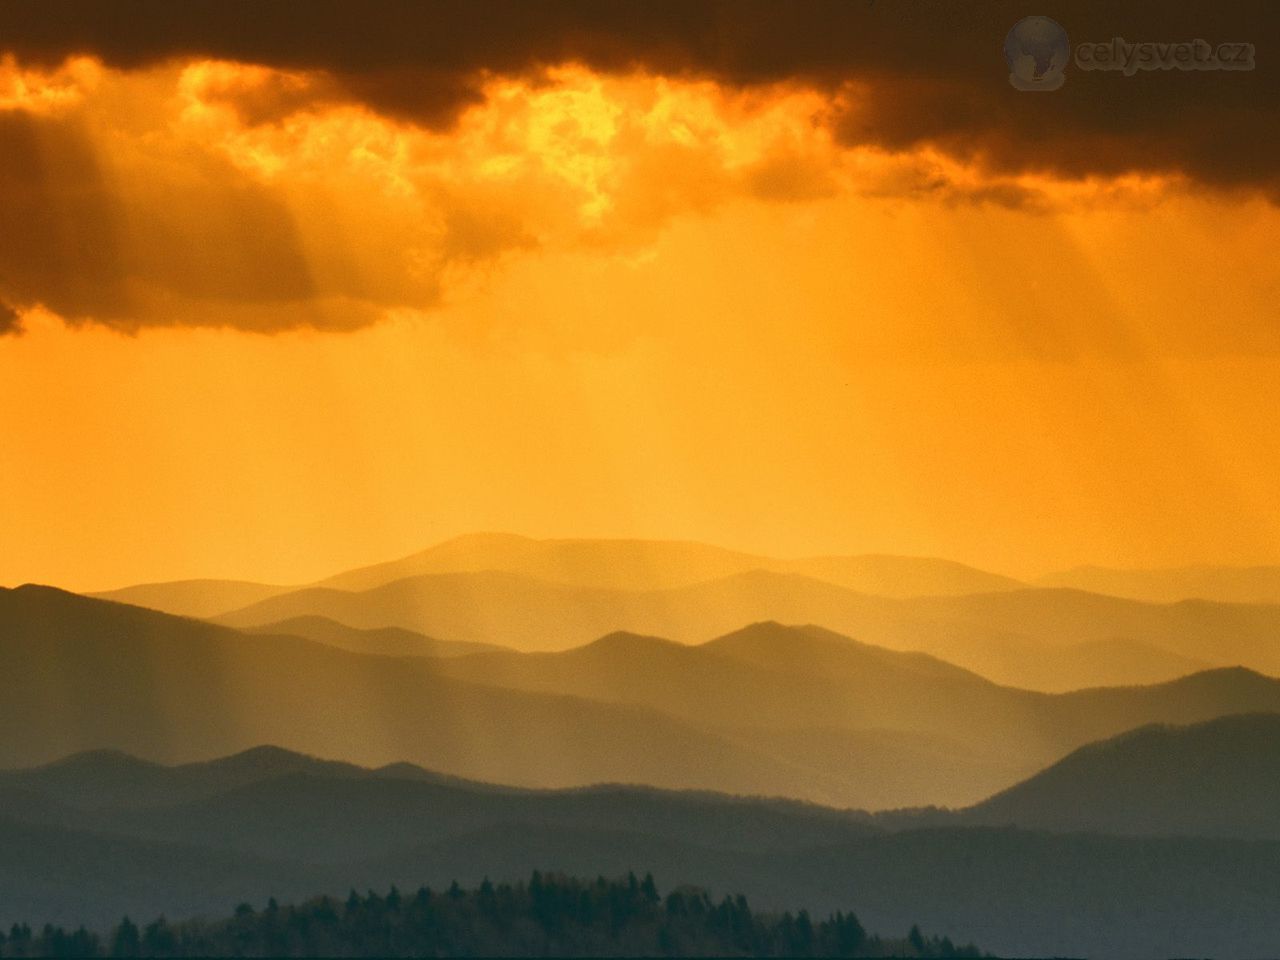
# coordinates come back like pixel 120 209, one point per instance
pixel 551 914
pixel 126 942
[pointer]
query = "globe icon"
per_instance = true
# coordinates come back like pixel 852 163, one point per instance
pixel 1037 52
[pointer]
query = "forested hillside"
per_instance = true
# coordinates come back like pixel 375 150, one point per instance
pixel 548 916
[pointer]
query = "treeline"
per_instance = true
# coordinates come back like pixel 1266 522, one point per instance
pixel 549 915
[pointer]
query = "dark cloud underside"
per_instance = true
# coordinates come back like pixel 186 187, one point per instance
pixel 69 240
pixel 9 321
pixel 935 69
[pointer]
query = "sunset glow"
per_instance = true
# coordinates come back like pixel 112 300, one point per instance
pixel 608 305
pixel 639 478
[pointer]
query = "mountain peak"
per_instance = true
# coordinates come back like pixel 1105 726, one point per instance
pixel 626 641
pixel 44 596
pixel 772 632
pixel 1227 675
pixel 265 757
pixel 763 629
pixel 482 538
pixel 100 759
pixel 40 589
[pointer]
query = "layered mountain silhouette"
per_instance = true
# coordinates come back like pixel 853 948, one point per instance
pixel 604 564
pixel 1057 668
pixel 798 712
pixel 1223 584
pixel 1218 778
pixel 388 641
pixel 532 595
pixel 1057 637
pixel 194 598
pixel 764 675
pixel 290 806
pixel 658 564
pixel 95 836
pixel 96 674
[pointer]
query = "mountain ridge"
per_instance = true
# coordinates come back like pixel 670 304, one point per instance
pixel 1226 584
pixel 1214 778
pixel 619 563
pixel 885 729
pixel 1005 635
pixel 103 674
pixel 330 834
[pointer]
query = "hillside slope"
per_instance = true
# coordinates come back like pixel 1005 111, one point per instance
pixel 387 641
pixel 101 675
pixel 194 598
pixel 1217 778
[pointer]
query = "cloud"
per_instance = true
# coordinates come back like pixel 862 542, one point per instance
pixel 932 71
pixel 59 229
pixel 184 234
pixel 325 165
pixel 175 196
pixel 10 322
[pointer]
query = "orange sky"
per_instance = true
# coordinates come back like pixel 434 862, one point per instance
pixel 614 305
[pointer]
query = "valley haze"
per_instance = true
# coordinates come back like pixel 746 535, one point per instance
pixel 498 704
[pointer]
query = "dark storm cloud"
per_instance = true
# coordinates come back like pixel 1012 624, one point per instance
pixel 70 242
pixel 935 68
pixel 9 321
pixel 59 226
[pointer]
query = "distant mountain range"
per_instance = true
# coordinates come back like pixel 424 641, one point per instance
pixel 195 598
pixel 1222 584
pixel 557 594
pixel 387 641
pixel 98 674
pixel 1063 638
pixel 661 564
pixel 598 564
pixel 776 710
pixel 97 835
pixel 657 565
